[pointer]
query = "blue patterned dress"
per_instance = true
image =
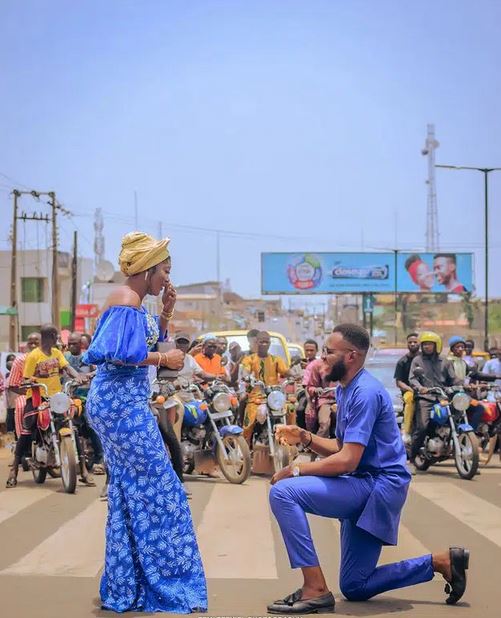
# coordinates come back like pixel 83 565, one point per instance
pixel 152 560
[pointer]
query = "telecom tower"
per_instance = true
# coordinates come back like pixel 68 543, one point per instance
pixel 432 234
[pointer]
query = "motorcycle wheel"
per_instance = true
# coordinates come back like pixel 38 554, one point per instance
pixel 39 475
pixel 282 457
pixel 422 463
pixel 68 465
pixel 236 466
pixel 467 458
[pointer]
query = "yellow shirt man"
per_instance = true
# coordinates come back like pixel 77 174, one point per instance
pixel 44 369
pixel 269 369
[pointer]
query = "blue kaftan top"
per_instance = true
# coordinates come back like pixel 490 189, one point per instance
pixel 123 336
pixel 365 415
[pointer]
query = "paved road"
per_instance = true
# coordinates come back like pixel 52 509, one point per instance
pixel 51 547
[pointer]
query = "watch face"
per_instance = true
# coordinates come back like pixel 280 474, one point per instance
pixel 295 471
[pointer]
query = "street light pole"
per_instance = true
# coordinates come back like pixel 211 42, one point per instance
pixel 485 171
pixel 486 232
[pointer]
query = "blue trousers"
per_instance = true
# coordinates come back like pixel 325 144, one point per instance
pixel 343 498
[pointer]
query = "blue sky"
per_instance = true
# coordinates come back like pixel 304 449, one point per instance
pixel 297 125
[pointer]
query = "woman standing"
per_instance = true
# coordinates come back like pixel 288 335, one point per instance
pixel 152 560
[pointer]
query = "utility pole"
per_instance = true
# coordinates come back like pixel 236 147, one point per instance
pixel 55 266
pixel 14 326
pixel 218 256
pixel 136 217
pixel 74 275
pixel 13 319
pixel 395 308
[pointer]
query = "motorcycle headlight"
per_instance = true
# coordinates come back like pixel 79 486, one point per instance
pixel 60 403
pixel 461 401
pixel 276 400
pixel 221 402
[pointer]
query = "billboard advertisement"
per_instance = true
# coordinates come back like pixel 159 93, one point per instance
pixel 355 273
pixel 450 273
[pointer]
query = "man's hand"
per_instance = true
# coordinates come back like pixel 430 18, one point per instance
pixel 81 378
pixel 284 473
pixel 169 298
pixel 173 359
pixel 288 434
pixel 422 390
pixel 196 349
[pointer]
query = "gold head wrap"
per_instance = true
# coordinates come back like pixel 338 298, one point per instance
pixel 140 252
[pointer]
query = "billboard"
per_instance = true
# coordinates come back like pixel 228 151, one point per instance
pixel 355 273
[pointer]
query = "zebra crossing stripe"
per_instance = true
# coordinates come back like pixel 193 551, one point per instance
pixel 226 533
pixel 76 549
pixel 13 501
pixel 480 515
pixel 408 546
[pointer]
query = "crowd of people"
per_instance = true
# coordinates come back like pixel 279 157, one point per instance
pixel 52 361
pixel 424 368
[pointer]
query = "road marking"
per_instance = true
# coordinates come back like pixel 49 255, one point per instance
pixel 408 546
pixel 236 524
pixel 448 470
pixel 13 501
pixel 480 515
pixel 76 549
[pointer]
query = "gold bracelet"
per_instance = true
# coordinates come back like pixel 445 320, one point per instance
pixel 167 316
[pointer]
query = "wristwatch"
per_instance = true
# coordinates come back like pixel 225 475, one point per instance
pixel 296 470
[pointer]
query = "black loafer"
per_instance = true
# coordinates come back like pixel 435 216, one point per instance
pixel 294 604
pixel 460 561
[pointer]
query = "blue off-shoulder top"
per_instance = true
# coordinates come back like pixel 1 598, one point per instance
pixel 123 336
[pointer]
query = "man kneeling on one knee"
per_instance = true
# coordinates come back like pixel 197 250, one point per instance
pixel 362 480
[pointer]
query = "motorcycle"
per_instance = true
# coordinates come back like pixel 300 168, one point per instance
pixel 272 410
pixel 450 434
pixel 489 429
pixel 207 430
pixel 55 445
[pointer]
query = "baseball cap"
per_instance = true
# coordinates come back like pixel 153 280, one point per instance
pixel 180 336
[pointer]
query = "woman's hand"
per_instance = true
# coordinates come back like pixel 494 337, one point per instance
pixel 288 434
pixel 284 473
pixel 169 298
pixel 173 359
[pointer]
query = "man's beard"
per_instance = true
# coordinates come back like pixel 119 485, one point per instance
pixel 337 372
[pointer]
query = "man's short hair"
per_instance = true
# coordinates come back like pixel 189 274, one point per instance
pixel 49 330
pixel 470 341
pixel 354 334
pixel 412 335
pixel 449 256
pixel 311 342
pixel 252 333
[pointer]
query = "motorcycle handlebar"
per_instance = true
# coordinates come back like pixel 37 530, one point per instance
pixel 37 385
